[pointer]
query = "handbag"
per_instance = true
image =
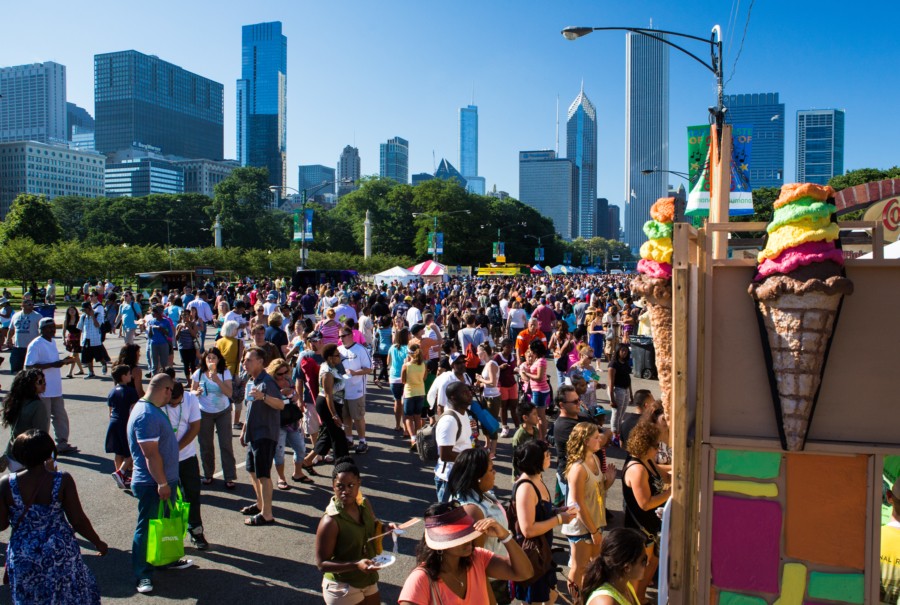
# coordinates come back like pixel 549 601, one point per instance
pixel 165 536
pixel 537 549
pixel 290 414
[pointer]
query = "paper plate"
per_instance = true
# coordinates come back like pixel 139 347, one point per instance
pixel 384 560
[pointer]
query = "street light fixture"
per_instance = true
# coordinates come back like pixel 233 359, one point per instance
pixel 303 196
pixel 683 175
pixel 435 215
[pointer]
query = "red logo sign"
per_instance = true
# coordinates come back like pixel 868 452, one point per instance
pixel 890 216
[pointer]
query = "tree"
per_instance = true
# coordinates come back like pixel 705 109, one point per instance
pixel 23 260
pixel 242 203
pixel 30 217
pixel 863 175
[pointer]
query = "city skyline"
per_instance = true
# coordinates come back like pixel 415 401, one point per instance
pixel 515 90
pixel 581 149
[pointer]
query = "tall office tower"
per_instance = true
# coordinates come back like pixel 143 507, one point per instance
pixel 262 100
pixel 766 115
pixel 646 131
pixel 581 149
pixel 601 218
pixel 550 185
pixel 33 107
pixel 312 177
pixel 468 149
pixel 820 145
pixel 142 100
pixel 48 170
pixel 348 170
pixel 615 222
pixel 78 120
pixel 394 160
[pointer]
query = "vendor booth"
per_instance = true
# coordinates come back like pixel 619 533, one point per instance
pixel 395 274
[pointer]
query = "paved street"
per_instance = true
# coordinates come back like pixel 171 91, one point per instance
pixel 275 563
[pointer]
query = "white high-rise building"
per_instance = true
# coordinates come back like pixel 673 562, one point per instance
pixel 646 131
pixel 33 107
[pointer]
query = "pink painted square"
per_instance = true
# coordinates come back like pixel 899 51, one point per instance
pixel 746 544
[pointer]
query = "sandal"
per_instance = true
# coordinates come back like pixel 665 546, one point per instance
pixel 230 485
pixel 206 480
pixel 250 510
pixel 257 520
pixel 283 485
pixel 303 479
pixel 311 470
pixel 237 426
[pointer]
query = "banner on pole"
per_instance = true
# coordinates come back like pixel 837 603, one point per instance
pixel 308 230
pixel 435 238
pixel 741 195
pixel 585 260
pixel 539 255
pixel 297 234
pixel 499 249
pixel 567 258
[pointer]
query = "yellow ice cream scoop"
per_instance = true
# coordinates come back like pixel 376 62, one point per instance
pixel 659 250
pixel 801 232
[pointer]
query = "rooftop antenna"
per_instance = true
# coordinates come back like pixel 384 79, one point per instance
pixel 651 22
pixel 557 124
pixel 433 161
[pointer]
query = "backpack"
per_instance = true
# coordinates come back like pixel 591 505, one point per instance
pixel 426 442
pixel 495 316
pixel 537 549
pixel 472 360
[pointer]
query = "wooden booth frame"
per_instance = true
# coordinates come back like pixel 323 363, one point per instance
pixel 711 304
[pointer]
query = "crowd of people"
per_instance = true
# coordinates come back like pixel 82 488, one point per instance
pixel 530 363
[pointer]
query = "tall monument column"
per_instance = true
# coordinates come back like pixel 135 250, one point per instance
pixel 367 238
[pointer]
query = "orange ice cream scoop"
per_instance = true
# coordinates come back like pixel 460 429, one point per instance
pixel 663 210
pixel 794 191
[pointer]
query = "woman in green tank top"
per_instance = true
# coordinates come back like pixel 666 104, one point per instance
pixel 610 577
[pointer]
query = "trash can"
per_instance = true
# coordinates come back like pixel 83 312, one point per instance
pixel 643 357
pixel 46 310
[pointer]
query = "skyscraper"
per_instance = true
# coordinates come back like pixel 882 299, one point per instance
pixel 312 177
pixel 646 131
pixel 820 145
pixel 447 172
pixel 468 149
pixel 141 99
pixel 34 103
pixel 615 222
pixel 601 218
pixel 581 149
pixel 262 100
pixel 766 115
pixel 394 160
pixel 78 120
pixel 550 185
pixel 348 170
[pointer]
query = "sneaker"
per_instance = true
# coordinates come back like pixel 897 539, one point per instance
pixel 67 448
pixel 198 540
pixel 144 586
pixel 328 459
pixel 88 376
pixel 180 564
pixel 104 368
pixel 504 432
pixel 119 478
pixel 413 447
pixel 362 447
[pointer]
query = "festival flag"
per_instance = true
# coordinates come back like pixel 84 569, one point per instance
pixel 740 200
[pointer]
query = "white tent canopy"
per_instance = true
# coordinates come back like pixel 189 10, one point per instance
pixel 890 251
pixel 398 274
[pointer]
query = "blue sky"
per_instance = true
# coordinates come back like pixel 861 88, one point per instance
pixel 360 72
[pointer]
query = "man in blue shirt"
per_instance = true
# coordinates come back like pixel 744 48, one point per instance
pixel 159 333
pixel 154 450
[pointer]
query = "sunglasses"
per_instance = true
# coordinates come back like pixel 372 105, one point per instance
pixel 281 374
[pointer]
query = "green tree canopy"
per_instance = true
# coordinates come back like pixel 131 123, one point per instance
pixel 243 204
pixel 30 217
pixel 863 175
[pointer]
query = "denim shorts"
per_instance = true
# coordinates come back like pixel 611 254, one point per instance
pixel 581 538
pixel 540 400
pixel 397 390
pixel 413 406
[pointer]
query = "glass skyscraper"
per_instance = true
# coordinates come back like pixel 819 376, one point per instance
pixel 646 131
pixel 550 185
pixel 468 149
pixel 33 107
pixel 766 115
pixel 581 149
pixel 311 178
pixel 394 160
pixel 142 100
pixel 820 145
pixel 348 170
pixel 262 100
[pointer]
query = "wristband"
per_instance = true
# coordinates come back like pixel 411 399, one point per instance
pixel 508 537
pixel 559 518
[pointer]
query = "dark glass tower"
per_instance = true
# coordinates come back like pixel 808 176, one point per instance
pixel 581 149
pixel 141 99
pixel 262 100
pixel 766 115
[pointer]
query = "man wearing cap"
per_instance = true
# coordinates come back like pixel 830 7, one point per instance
pixel 358 365
pixel 402 306
pixel 890 550
pixel 437 395
pixel 23 328
pixel 453 433
pixel 271 304
pixel 42 354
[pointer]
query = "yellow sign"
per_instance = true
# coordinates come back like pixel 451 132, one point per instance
pixel 501 259
pixel 888 213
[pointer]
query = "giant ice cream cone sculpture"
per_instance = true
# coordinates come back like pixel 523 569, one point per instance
pixel 798 290
pixel 655 284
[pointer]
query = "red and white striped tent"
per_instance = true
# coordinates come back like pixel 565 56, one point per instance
pixel 429 269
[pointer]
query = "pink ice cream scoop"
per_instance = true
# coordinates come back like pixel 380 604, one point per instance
pixel 799 256
pixel 652 268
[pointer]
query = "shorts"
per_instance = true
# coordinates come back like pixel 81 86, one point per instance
pixel 260 455
pixel 92 354
pixel 355 408
pixel 397 390
pixel 341 593
pixel 580 538
pixel 413 406
pixel 540 400
pixel 493 405
pixel 509 393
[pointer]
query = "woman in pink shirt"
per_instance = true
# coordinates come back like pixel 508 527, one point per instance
pixel 535 371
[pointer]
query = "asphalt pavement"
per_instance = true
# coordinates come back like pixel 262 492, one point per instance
pixel 274 564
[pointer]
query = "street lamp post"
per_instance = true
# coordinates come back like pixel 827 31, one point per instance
pixel 499 229
pixel 721 143
pixel 304 193
pixel 435 215
pixel 683 175
pixel 539 238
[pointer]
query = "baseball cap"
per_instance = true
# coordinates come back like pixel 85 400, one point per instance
pixel 408 298
pixel 416 328
pixel 271 297
pixel 314 336
pixel 46 322
pixel 455 356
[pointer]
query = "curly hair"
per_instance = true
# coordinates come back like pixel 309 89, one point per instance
pixel 576 447
pixel 643 437
pixel 129 355
pixel 23 389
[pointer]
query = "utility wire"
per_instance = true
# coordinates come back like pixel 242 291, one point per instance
pixel 743 37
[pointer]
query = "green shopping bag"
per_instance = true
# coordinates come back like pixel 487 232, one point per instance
pixel 165 540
